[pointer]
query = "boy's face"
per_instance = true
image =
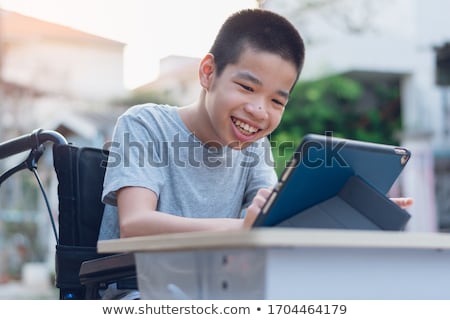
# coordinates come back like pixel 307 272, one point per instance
pixel 246 102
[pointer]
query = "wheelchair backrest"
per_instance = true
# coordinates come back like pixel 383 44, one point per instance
pixel 80 172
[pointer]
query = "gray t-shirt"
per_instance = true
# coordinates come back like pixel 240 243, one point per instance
pixel 152 148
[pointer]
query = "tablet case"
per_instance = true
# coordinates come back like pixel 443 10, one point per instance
pixel 337 183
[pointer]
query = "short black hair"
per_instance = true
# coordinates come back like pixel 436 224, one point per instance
pixel 261 30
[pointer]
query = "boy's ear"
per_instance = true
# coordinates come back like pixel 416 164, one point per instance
pixel 206 70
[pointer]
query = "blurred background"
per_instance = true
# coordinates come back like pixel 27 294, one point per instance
pixel 375 70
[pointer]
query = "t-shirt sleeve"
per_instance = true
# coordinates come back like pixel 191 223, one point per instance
pixel 134 155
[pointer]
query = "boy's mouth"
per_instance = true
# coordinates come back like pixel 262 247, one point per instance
pixel 243 127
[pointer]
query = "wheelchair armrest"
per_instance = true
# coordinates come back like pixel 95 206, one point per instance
pixel 109 269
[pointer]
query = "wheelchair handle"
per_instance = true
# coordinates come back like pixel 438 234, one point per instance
pixel 30 141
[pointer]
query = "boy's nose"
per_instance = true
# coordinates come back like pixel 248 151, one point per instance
pixel 258 111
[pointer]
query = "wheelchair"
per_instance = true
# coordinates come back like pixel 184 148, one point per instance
pixel 80 272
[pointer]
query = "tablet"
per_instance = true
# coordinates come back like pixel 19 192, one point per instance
pixel 320 168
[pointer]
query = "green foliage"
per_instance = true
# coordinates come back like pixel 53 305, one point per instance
pixel 346 107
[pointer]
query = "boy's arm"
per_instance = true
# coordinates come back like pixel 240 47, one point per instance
pixel 138 216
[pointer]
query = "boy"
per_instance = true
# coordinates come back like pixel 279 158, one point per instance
pixel 206 165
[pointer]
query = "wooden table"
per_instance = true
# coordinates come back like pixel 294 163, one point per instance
pixel 283 263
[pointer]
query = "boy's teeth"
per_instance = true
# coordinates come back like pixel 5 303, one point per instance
pixel 245 126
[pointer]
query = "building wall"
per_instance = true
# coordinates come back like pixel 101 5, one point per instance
pixel 89 72
pixel 177 81
pixel 54 71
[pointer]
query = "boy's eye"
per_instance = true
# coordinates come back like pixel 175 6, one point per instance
pixel 278 102
pixel 245 87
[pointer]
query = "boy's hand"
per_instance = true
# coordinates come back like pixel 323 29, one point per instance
pixel 403 202
pixel 255 207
